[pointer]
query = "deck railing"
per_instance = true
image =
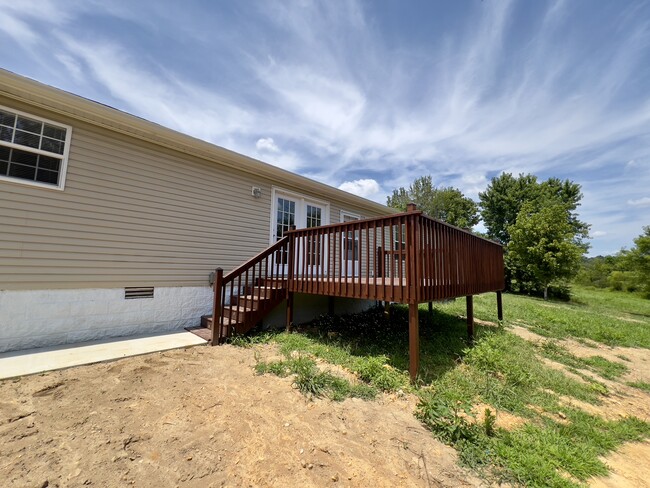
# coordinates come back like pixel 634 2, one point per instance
pixel 406 258
pixel 245 286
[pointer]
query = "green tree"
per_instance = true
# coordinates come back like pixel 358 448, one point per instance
pixel 638 260
pixel 502 200
pixel 504 197
pixel 443 203
pixel 544 247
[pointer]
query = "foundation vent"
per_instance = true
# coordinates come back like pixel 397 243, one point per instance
pixel 133 292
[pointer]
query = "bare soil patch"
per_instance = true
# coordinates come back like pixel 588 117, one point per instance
pixel 201 417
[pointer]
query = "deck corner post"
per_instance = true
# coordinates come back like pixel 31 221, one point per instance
pixel 216 307
pixel 499 306
pixel 414 341
pixel 470 319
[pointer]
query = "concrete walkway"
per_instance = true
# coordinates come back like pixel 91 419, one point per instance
pixel 31 361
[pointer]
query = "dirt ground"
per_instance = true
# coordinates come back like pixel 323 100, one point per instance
pixel 201 417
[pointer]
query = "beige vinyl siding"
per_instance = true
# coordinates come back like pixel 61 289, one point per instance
pixel 132 214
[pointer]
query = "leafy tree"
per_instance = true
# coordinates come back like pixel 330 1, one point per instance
pixel 638 259
pixel 443 203
pixel 502 200
pixel 504 197
pixel 544 247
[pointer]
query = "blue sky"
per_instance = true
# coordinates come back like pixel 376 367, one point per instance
pixel 369 95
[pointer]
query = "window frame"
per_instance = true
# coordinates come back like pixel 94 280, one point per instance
pixel 60 186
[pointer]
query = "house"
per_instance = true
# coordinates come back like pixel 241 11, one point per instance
pixel 112 225
pixel 101 210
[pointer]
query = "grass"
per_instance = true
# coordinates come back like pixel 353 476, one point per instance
pixel 603 367
pixel 609 317
pixel 554 445
pixel 313 382
pixel 641 385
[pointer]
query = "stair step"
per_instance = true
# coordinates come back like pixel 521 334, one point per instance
pixel 237 312
pixel 206 321
pixel 263 291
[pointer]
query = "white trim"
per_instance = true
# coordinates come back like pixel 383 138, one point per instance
pixel 63 157
pixel 349 214
pixel 301 216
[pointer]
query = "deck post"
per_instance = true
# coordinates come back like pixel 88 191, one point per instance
pixel 414 341
pixel 430 308
pixel 290 274
pixel 470 319
pixel 289 311
pixel 499 306
pixel 330 305
pixel 216 307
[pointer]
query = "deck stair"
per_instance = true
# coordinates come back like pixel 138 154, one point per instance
pixel 247 309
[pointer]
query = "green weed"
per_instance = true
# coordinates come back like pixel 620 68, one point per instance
pixel 641 385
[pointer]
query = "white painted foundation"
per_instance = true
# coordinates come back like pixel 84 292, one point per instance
pixel 38 318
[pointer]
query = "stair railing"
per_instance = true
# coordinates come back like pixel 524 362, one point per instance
pixel 267 267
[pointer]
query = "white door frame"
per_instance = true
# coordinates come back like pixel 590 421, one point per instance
pixel 301 215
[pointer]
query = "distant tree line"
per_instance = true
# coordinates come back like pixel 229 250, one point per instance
pixel 628 270
pixel 535 221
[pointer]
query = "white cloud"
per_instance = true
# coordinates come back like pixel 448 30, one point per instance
pixel 367 188
pixel 598 233
pixel 641 202
pixel 266 144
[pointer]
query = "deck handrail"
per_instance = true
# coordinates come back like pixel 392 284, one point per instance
pixel 265 267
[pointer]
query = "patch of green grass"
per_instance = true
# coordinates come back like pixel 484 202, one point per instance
pixel 607 369
pixel 609 317
pixel 539 453
pixel 641 385
pixel 610 370
pixel 313 382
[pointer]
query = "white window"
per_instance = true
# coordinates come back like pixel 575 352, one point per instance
pixel 33 150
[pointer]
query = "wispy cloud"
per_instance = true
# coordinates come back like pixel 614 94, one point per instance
pixel 641 202
pixel 328 89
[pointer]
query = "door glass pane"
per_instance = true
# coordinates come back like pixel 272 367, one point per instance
pixel 286 216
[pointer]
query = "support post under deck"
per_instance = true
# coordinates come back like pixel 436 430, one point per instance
pixel 470 319
pixel 430 308
pixel 289 311
pixel 499 306
pixel 414 341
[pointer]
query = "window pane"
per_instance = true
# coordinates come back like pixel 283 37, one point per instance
pixel 23 157
pixel 21 171
pixel 52 145
pixel 46 162
pixel 29 125
pixel 7 119
pixel 54 132
pixel 6 133
pixel 46 176
pixel 27 139
pixel 4 153
pixel 3 168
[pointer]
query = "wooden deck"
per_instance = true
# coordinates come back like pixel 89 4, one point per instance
pixel 406 258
